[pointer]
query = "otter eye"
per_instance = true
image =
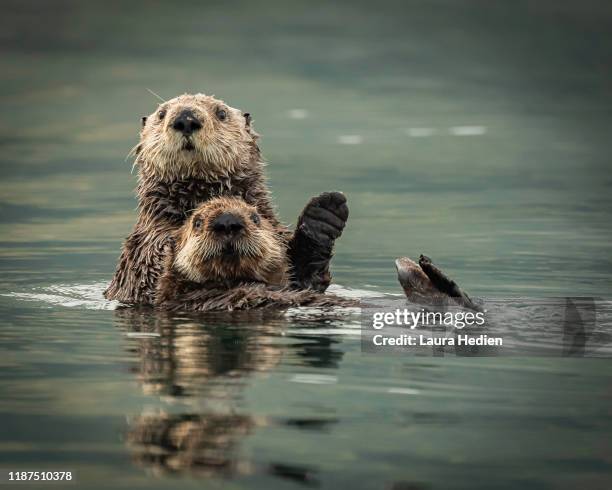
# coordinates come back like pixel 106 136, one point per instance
pixel 255 218
pixel 197 224
pixel 221 115
pixel 161 114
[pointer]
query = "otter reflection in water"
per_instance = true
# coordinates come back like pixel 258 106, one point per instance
pixel 197 368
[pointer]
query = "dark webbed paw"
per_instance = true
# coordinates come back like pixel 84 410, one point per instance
pixel 441 281
pixel 311 247
pixel 324 218
pixel 445 284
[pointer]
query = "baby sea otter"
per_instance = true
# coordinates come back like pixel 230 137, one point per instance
pixel 228 256
pixel 194 148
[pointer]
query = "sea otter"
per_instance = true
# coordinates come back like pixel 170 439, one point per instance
pixel 229 256
pixel 195 147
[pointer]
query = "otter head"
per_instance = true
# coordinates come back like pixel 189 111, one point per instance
pixel 196 136
pixel 228 241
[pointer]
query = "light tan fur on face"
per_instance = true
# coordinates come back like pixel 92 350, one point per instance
pixel 220 147
pixel 259 252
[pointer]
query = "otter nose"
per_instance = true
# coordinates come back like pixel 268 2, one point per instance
pixel 187 123
pixel 227 224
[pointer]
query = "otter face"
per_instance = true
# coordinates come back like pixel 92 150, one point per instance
pixel 226 240
pixel 196 136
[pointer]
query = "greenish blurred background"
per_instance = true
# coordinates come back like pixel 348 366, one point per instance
pixel 475 131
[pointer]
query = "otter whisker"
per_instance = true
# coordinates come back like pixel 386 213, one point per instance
pixel 247 249
pixel 156 95
pixel 132 151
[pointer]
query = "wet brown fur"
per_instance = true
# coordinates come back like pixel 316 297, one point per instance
pixel 199 276
pixel 172 181
pixel 248 296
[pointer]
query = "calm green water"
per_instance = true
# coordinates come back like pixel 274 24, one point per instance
pixel 475 132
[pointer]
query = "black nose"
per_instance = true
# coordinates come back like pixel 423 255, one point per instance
pixel 227 224
pixel 187 123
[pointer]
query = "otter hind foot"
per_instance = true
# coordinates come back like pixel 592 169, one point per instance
pixel 311 248
pixel 425 280
pixel 441 281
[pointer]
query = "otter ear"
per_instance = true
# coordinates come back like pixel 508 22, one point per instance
pixel 144 120
pixel 247 118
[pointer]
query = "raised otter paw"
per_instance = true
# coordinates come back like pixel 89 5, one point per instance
pixel 311 248
pixel 324 218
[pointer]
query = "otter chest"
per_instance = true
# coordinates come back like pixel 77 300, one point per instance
pixel 176 200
